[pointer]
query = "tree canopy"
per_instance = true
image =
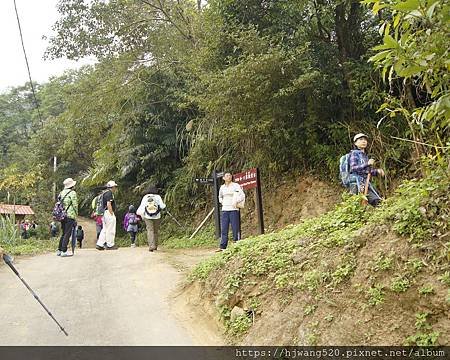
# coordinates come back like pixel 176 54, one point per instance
pixel 180 89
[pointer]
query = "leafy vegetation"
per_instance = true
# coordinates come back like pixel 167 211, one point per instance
pixel 321 256
pixel 423 337
pixel 13 244
pixel 182 88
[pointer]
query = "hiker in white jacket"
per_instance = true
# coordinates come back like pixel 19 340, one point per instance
pixel 150 211
pixel 230 195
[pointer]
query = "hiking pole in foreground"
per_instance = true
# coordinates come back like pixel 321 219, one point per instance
pixel 173 218
pixel 8 262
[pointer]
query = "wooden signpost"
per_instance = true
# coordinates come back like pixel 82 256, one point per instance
pixel 249 179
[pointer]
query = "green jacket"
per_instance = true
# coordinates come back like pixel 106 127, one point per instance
pixel 70 203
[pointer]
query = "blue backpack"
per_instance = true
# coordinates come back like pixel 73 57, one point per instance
pixel 344 170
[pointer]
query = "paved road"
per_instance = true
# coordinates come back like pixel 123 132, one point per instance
pixel 116 297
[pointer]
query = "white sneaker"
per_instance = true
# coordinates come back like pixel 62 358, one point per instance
pixel 58 253
pixel 133 245
pixel 64 254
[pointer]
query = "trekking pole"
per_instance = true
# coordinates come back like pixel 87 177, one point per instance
pixel 365 201
pixel 173 218
pixel 8 262
pixel 202 223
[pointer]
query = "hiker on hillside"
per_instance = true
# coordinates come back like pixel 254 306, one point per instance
pixel 130 224
pixel 108 233
pixel 230 194
pixel 360 166
pixel 80 236
pixel 70 203
pixel 150 210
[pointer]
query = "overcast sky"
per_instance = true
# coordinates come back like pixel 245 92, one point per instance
pixel 36 19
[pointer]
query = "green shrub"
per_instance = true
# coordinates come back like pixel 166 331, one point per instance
pixel 375 295
pixel 239 326
pixel 400 284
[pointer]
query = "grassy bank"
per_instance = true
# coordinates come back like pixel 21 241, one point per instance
pixel 352 276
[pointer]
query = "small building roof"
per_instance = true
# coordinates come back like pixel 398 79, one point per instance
pixel 16 209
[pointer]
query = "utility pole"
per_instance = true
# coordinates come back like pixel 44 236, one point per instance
pixel 54 175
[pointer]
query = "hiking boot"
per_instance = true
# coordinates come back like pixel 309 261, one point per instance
pixel 99 247
pixel 58 253
pixel 219 250
pixel 114 247
pixel 151 250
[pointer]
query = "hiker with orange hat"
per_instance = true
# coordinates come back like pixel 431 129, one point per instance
pixel 360 168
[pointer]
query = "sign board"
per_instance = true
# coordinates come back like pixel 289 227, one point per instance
pixel 247 179
pixel 204 181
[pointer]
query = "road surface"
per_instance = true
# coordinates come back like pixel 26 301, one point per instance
pixel 118 297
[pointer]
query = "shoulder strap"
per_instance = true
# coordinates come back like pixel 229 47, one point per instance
pixel 66 195
pixel 62 200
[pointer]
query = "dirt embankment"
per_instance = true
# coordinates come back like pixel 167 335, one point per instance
pixel 289 203
pixel 369 286
pixel 396 294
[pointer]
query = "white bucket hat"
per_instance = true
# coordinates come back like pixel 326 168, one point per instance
pixel 359 136
pixel 69 183
pixel 111 184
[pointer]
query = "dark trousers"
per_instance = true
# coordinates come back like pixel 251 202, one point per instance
pixel 229 217
pixel 132 236
pixel 80 243
pixel 372 196
pixel 98 228
pixel 67 227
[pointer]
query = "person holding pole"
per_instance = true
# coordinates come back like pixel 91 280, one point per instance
pixel 230 196
pixel 361 170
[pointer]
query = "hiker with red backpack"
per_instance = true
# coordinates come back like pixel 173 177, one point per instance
pixel 130 224
pixel 66 211
pixel 150 210
pixel 356 170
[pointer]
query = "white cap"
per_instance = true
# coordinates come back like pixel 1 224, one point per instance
pixel 111 184
pixel 359 136
pixel 69 183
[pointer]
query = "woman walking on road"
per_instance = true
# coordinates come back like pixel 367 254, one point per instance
pixel 70 203
pixel 150 211
pixel 130 224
